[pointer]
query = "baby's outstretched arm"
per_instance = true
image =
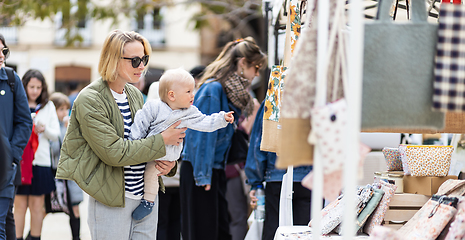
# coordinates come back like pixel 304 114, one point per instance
pixel 229 117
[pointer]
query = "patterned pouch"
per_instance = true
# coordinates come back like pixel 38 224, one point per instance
pixel 332 214
pixel 429 160
pixel 378 215
pixel 392 157
pixel 452 188
pixel 403 158
pixel 369 208
pixel 431 219
pixel 384 233
pixel 457 228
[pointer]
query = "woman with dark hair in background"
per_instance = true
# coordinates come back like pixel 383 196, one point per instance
pixel 223 87
pixel 39 181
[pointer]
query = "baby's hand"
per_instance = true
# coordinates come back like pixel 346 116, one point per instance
pixel 229 117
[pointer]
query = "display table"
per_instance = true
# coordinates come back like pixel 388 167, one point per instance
pixel 304 233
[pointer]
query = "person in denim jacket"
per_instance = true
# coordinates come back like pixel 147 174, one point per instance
pixel 259 168
pixel 223 87
pixel 16 122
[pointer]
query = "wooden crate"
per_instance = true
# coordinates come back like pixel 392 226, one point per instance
pixel 402 208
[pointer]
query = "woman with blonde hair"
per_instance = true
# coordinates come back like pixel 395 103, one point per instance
pixel 223 87
pixel 96 152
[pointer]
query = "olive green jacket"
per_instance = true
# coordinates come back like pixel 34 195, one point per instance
pixel 94 151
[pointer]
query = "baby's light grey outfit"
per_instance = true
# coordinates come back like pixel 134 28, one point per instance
pixel 155 117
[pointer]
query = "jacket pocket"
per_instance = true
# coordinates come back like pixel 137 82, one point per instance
pixel 91 175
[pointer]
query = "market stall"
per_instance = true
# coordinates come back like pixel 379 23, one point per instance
pixel 319 75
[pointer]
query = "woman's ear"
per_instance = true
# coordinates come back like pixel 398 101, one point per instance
pixel 241 63
pixel 171 96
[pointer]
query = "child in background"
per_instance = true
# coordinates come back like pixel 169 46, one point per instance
pixel 62 105
pixel 176 90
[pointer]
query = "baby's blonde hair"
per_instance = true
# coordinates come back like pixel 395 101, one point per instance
pixel 171 77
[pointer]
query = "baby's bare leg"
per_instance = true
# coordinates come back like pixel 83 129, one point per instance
pixel 151 181
pixel 150 192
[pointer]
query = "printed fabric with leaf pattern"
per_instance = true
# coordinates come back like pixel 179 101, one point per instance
pixel 278 72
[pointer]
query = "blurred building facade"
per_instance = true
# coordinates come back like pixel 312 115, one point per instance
pixel 42 45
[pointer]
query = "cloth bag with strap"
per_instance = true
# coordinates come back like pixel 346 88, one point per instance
pixel 271 117
pixel 431 219
pixel 300 91
pixel 398 72
pixel 449 71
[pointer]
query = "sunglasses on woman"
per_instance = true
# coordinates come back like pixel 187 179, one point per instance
pixel 5 51
pixel 135 61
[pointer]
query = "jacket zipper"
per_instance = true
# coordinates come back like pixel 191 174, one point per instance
pixel 93 172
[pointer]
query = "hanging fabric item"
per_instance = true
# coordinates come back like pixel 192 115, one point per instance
pixel 271 117
pixel 329 121
pixel 449 71
pixel 398 72
pixel 332 182
pixel 299 95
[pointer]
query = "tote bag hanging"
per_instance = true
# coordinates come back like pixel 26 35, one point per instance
pixel 449 72
pixel 398 72
pixel 271 117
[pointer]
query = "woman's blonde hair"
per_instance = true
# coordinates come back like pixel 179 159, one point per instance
pixel 170 78
pixel 60 99
pixel 227 60
pixel 112 52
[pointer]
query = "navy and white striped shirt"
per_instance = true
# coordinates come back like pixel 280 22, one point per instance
pixel 134 174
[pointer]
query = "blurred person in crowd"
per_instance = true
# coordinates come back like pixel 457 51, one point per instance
pixel 96 151
pixel 36 169
pixel 223 87
pixel 197 73
pixel 238 204
pixel 73 93
pixel 62 105
pixel 16 122
pixel 260 168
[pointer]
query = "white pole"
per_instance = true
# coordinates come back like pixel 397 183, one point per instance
pixel 355 69
pixel 322 40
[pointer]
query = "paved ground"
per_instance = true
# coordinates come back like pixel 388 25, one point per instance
pixel 56 225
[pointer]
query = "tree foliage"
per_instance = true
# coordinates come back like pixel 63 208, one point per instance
pixel 16 12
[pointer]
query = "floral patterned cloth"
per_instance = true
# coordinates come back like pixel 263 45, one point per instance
pixel 274 93
pixel 403 158
pixel 429 228
pixel 393 161
pixel 332 214
pixel 428 160
pixel 377 216
pixel 271 126
pixel 329 128
pixel 300 92
pixel 457 227
pixel 384 233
